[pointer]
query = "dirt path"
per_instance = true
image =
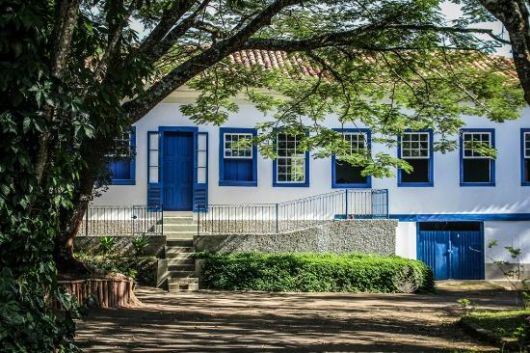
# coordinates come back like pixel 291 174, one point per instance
pixel 265 322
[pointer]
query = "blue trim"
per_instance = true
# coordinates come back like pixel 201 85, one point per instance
pixel 429 183
pixel 223 182
pixel 368 183
pixel 523 182
pixel 162 130
pixel 461 217
pixel 492 161
pixel 275 183
pixel 132 163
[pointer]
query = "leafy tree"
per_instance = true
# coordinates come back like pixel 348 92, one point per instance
pixel 515 17
pixel 75 75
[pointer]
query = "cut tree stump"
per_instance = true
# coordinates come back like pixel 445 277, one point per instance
pixel 115 291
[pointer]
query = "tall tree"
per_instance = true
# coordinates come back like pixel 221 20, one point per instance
pixel 76 75
pixel 515 17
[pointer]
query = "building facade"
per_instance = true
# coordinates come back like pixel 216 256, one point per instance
pixel 450 209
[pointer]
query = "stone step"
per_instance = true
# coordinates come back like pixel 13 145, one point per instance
pixel 179 249
pixel 179 242
pixel 179 220
pixel 184 257
pixel 177 274
pixel 183 285
pixel 181 267
pixel 180 227
pixel 170 233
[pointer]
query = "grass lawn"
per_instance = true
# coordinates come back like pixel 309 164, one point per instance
pixel 502 324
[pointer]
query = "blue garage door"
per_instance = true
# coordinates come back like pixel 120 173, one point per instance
pixel 452 254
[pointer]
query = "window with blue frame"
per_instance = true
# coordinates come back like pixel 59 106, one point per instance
pixel 237 157
pixel 121 161
pixel 344 174
pixel 291 167
pixel 416 148
pixel 525 157
pixel 477 168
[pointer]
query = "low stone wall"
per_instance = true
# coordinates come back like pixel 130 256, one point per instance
pixel 90 244
pixel 341 236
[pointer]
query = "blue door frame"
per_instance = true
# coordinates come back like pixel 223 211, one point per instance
pixel 164 130
pixel 452 254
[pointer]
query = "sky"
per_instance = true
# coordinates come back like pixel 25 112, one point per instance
pixel 452 11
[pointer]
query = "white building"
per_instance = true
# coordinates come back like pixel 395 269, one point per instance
pixel 449 209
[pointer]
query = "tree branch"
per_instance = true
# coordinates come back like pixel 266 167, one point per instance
pixel 349 38
pixel 141 105
pixel 168 20
pixel 156 50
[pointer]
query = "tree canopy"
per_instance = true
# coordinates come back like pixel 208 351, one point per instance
pixel 76 74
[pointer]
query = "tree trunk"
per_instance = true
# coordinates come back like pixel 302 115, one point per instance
pixel 514 16
pixel 92 153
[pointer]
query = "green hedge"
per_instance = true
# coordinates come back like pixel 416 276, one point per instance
pixel 314 273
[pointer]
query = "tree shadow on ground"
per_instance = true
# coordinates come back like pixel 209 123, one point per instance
pixel 267 322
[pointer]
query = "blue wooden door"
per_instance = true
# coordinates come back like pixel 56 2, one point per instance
pixel 452 254
pixel 177 172
pixel 433 249
pixel 467 255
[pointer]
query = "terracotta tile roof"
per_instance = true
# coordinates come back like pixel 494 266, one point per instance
pixel 294 63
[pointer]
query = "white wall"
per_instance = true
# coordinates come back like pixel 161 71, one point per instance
pixel 406 240
pixel 508 196
pixel 515 234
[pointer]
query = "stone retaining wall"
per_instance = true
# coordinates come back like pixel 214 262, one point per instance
pixel 341 236
pixel 90 244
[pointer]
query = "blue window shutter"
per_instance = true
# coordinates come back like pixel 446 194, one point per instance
pixel 154 188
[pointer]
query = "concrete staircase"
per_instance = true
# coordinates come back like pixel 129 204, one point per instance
pixel 179 229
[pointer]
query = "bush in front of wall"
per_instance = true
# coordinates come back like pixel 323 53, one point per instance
pixel 140 243
pixel 141 268
pixel 106 244
pixel 315 273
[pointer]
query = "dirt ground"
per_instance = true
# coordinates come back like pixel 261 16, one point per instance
pixel 209 321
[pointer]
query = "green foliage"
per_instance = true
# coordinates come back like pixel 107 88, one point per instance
pixel 140 243
pixel 106 244
pixel 141 268
pixel 314 273
pixel 503 323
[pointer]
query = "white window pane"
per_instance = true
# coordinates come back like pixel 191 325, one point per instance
pixel 153 158
pixel 153 141
pixel 202 142
pixel 201 175
pixel 201 159
pixel 153 174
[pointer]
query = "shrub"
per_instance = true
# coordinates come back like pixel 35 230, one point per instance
pixel 140 243
pixel 315 273
pixel 106 244
pixel 141 268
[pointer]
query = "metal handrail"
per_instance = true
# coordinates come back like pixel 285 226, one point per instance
pixel 133 220
pixel 294 214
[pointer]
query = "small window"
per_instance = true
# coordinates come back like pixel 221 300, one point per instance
pixel 238 145
pixel 415 147
pixel 153 167
pixel 238 157
pixel 291 167
pixel 525 157
pixel 121 160
pixel 476 167
pixel 344 174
